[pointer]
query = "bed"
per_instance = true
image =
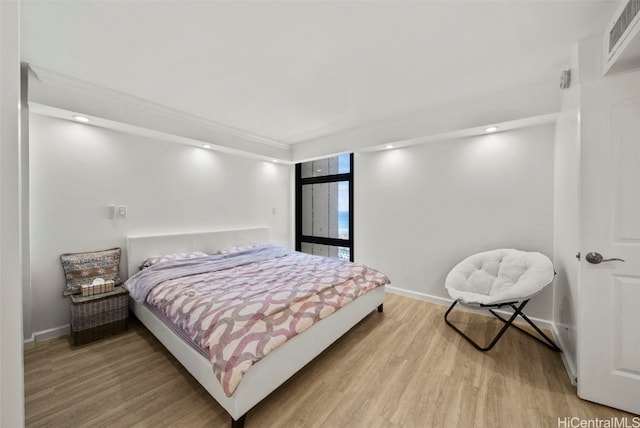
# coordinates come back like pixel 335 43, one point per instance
pixel 265 375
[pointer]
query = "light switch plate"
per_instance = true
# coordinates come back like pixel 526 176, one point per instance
pixel 121 211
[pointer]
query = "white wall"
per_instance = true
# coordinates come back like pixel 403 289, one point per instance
pixel 11 365
pixel 567 219
pixel 25 254
pixel 470 112
pixel 77 170
pixel 420 210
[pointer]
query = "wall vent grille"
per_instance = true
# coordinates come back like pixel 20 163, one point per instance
pixel 622 23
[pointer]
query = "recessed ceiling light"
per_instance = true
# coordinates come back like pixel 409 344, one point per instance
pixel 275 161
pixel 389 146
pixel 81 119
pixel 206 146
pixel 491 129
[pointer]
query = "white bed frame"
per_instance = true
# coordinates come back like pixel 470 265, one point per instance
pixel 273 370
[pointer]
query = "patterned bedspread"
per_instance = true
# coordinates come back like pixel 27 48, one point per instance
pixel 243 305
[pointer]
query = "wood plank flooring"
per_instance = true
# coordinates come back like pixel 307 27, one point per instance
pixel 401 368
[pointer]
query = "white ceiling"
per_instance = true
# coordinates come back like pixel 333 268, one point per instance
pixel 300 71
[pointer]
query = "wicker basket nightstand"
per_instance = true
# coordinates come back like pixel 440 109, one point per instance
pixel 95 317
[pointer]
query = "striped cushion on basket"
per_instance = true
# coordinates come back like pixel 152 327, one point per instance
pixel 83 268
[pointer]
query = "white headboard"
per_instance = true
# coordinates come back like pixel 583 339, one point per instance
pixel 140 248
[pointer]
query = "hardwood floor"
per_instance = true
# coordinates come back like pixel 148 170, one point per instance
pixel 400 368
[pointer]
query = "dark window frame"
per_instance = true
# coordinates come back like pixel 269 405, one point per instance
pixel 332 178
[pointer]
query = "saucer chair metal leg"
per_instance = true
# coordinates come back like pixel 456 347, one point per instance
pixel 517 310
pixel 548 342
pixel 495 339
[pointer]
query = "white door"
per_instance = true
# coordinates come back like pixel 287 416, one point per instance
pixel 608 356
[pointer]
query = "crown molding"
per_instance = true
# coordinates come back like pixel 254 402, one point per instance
pixel 58 113
pixel 509 109
pixel 69 83
pixel 58 95
pixel 510 125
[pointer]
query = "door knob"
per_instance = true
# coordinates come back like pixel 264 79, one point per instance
pixel 596 258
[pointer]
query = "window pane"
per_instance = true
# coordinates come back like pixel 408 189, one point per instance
pixel 342 253
pixel 325 210
pixel 322 201
pixel 336 165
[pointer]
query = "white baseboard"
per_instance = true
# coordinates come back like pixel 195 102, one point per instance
pixel 51 333
pixel 546 324
pixel 66 329
pixel 28 343
pixel 569 365
pixel 418 296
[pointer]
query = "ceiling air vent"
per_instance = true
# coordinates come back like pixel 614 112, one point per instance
pixel 629 12
pixel 622 42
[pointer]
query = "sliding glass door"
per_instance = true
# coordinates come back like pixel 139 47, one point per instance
pixel 324 207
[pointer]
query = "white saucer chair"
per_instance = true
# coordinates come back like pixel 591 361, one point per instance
pixel 496 279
